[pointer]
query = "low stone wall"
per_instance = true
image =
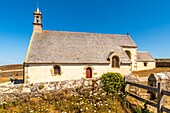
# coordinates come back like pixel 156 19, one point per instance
pixel 25 91
pixel 163 62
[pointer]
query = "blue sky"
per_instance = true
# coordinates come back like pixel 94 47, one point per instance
pixel 147 21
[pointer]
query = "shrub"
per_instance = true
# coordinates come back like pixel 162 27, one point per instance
pixel 113 82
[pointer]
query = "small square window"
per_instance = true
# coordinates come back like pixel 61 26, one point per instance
pixel 145 63
pixel 57 70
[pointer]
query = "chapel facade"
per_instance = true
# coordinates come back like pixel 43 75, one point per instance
pixel 61 55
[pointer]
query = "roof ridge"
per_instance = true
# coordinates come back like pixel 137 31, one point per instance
pixel 143 51
pixel 85 32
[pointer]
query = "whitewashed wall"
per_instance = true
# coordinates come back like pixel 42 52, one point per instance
pixel 150 65
pixel 36 73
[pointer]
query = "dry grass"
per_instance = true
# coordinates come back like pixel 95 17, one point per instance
pixel 11 67
pixel 145 73
pixel 167 99
pixel 139 104
pixel 6 78
pixel 67 101
pixel 7 74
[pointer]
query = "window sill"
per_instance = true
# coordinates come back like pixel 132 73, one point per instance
pixel 116 67
pixel 56 75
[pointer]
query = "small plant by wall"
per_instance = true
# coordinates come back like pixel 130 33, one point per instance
pixel 113 82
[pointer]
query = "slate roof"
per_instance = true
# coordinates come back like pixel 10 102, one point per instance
pixel 76 47
pixel 144 57
pixel 122 55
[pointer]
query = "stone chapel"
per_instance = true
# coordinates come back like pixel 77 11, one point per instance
pixel 62 55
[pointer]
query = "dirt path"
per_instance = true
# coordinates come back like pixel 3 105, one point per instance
pixel 6 71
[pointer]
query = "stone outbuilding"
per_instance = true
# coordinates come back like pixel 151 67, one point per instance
pixel 145 61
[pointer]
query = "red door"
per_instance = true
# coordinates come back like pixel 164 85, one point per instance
pixel 88 73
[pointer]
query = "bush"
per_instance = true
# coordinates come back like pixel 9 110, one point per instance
pixel 113 82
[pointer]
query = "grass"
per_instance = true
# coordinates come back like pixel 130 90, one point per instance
pixel 63 102
pixel 145 73
pixel 88 101
pixel 4 77
pixel 11 67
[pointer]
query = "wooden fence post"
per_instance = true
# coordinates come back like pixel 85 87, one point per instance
pixel 160 89
pixel 159 97
pixel 125 94
pixel 124 87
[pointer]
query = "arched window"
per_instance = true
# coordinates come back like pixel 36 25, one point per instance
pixel 128 53
pixel 57 70
pixel 115 61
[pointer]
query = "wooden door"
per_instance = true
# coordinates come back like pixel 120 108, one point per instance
pixel 88 73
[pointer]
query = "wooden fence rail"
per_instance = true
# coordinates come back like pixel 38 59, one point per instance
pixel 160 96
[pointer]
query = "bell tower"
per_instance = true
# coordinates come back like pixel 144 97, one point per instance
pixel 37 24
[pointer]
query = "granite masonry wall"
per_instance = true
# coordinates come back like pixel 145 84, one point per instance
pixel 24 91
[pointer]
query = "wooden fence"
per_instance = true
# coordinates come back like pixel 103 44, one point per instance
pixel 160 96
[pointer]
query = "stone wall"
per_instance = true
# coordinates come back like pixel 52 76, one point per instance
pixel 24 91
pixel 164 62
